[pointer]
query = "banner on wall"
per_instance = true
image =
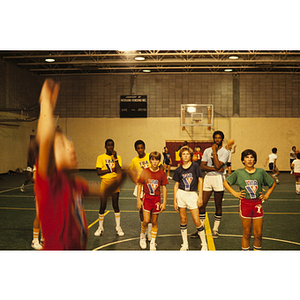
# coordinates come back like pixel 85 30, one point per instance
pixel 133 106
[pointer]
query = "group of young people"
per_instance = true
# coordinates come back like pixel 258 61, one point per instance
pixel 59 191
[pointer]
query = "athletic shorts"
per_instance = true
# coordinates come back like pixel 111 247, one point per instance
pixel 251 209
pixel 228 164
pixel 213 183
pixel 271 166
pixel 187 199
pixel 135 192
pixel 297 176
pixel 105 182
pixel 151 203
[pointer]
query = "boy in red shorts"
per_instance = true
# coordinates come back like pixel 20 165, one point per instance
pixel 150 181
pixel 250 181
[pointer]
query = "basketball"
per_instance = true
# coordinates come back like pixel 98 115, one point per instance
pixel 230 142
pixel 195 157
pixel 297 151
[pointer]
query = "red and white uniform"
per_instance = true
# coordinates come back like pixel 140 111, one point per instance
pixel 60 210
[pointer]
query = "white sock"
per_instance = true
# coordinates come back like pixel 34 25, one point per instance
pixel 201 233
pixel 118 219
pixel 217 223
pixel 101 220
pixel 183 229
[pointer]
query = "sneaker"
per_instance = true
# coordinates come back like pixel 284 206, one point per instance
pixel 204 248
pixel 291 172
pixel 99 231
pixel 36 245
pixel 169 177
pixel 277 181
pixel 22 188
pixel 143 243
pixel 119 231
pixel 184 247
pixel 194 235
pixel 215 234
pixel 152 246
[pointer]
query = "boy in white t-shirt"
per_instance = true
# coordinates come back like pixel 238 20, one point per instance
pixel 272 158
pixel 295 165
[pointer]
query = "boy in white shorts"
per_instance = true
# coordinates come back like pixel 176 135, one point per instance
pixel 214 163
pixel 188 180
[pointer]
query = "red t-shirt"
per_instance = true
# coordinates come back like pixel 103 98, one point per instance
pixel 152 181
pixel 60 210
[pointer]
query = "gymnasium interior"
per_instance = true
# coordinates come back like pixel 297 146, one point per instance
pixel 252 96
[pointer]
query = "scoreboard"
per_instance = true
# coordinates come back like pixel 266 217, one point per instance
pixel 133 106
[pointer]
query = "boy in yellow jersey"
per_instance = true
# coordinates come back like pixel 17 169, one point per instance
pixel 137 165
pixel 107 166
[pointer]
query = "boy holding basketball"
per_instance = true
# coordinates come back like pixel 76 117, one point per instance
pixel 137 165
pixel 188 180
pixel 150 181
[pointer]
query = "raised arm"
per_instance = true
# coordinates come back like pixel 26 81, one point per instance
pixel 46 127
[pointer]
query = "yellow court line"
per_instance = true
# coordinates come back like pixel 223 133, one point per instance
pixel 98 220
pixel 209 238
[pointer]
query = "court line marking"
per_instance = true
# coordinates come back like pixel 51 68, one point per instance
pixel 264 238
pixel 132 239
pixel 170 235
pixel 209 238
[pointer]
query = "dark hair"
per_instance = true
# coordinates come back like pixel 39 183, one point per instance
pixel 249 152
pixel 220 133
pixel 155 155
pixel 274 150
pixel 298 155
pixel 109 140
pixel 186 148
pixel 139 142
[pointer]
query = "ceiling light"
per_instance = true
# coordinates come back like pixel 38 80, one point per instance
pixel 233 57
pixel 146 71
pixel 228 70
pixel 139 58
pixel 50 60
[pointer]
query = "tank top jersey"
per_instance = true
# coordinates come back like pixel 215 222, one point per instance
pixel 106 162
pixel 272 158
pixel 296 164
pixel 252 183
pixel 152 181
pixel 188 178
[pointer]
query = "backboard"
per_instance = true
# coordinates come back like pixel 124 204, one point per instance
pixel 197 115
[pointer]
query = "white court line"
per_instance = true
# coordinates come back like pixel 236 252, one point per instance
pixel 16 188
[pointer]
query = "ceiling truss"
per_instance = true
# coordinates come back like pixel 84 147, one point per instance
pixel 155 61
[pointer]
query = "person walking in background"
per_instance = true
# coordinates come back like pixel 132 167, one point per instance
pixel 295 165
pixel 167 161
pixel 292 157
pixel 272 158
